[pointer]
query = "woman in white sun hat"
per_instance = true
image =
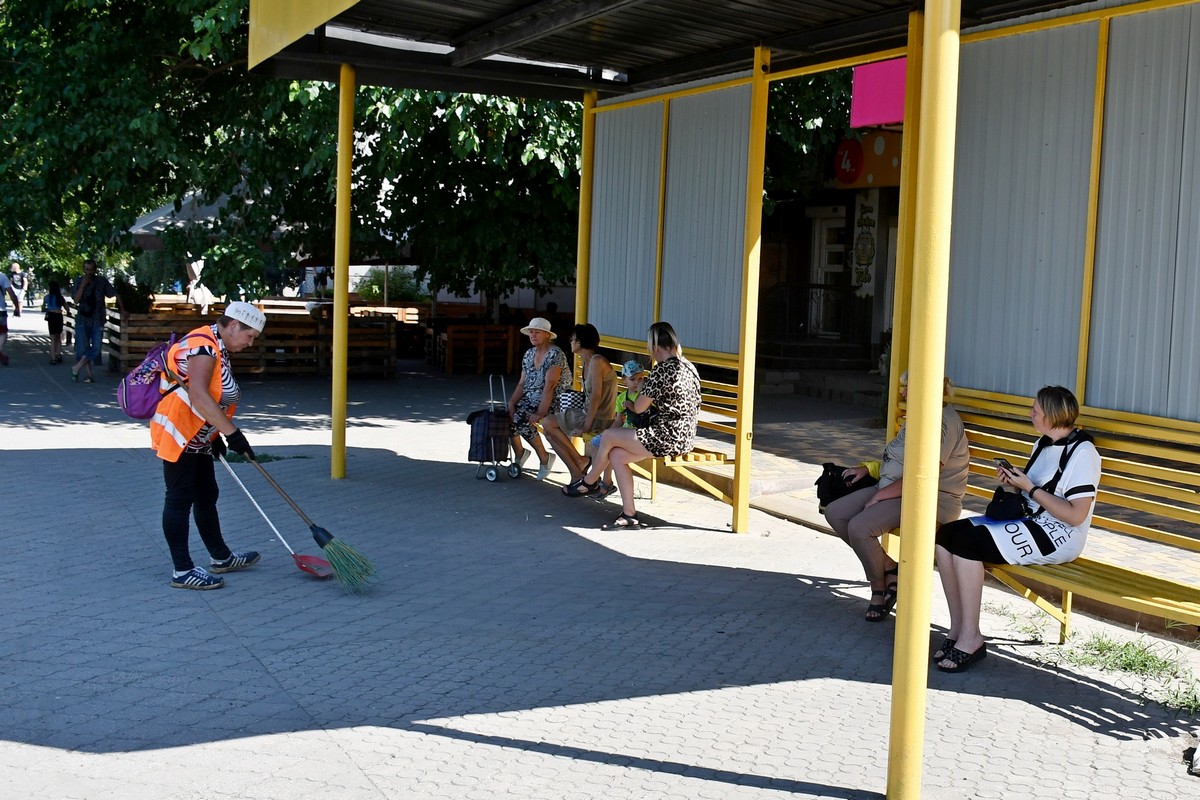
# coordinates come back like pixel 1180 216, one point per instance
pixel 186 431
pixel 545 373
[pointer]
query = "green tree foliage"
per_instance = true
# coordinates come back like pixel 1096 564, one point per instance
pixel 110 108
pixel 808 117
pixel 401 285
pixel 500 181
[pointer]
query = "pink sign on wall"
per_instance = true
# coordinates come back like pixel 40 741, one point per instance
pixel 878 95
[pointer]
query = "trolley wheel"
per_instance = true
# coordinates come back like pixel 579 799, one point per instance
pixel 492 474
pixel 514 470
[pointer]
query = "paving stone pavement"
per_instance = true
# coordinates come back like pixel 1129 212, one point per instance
pixel 511 649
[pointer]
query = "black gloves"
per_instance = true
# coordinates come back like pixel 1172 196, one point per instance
pixel 239 445
pixel 218 447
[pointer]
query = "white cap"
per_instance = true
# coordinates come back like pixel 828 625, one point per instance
pixel 247 315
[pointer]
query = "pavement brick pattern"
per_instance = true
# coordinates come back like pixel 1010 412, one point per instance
pixel 511 649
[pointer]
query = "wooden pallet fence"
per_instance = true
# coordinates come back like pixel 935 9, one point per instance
pixel 294 343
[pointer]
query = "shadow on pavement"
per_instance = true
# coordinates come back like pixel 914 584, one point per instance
pixel 494 597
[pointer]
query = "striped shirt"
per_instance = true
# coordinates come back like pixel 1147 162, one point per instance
pixel 231 393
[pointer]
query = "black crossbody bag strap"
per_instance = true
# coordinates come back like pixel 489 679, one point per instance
pixel 1076 438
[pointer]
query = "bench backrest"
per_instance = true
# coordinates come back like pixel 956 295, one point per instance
pixel 1151 466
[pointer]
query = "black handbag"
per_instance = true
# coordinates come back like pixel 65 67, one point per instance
pixel 832 486
pixel 1012 505
pixel 1007 505
pixel 644 419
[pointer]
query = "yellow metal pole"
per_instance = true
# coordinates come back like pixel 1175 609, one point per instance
pixel 662 207
pixel 756 157
pixel 583 247
pixel 341 269
pixel 1093 206
pixel 931 279
pixel 909 155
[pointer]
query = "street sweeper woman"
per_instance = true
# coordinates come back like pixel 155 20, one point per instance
pixel 186 433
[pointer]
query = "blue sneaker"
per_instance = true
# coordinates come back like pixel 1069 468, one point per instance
pixel 197 578
pixel 235 562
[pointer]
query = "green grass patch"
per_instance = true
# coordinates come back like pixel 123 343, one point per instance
pixel 1184 696
pixel 1162 676
pixel 1136 657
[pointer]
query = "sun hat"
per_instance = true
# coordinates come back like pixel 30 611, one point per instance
pixel 247 315
pixel 631 368
pixel 539 324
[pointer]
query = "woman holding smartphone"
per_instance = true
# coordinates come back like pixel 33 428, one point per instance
pixel 1059 484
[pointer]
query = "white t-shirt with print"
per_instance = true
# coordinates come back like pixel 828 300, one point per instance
pixel 1080 478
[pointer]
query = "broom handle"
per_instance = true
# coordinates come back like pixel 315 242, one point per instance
pixel 282 493
pixel 238 481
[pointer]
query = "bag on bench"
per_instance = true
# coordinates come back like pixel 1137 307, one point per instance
pixel 832 486
pixel 1006 505
pixel 1013 505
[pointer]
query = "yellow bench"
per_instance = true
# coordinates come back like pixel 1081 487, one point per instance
pixel 1150 490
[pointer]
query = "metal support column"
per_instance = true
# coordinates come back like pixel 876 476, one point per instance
pixel 909 155
pixel 930 291
pixel 743 439
pixel 341 269
pixel 583 248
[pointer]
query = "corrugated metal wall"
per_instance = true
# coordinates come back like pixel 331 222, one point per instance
pixel 1145 295
pixel 1183 388
pixel 1020 207
pixel 706 218
pixel 625 199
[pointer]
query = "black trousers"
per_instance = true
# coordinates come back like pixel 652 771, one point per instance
pixel 192 488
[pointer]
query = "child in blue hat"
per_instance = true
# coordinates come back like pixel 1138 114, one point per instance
pixel 634 375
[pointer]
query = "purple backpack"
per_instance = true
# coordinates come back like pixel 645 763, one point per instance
pixel 138 393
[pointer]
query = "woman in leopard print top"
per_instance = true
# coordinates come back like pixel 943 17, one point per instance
pixel 673 388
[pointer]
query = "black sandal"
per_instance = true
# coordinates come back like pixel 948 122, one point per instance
pixel 946 646
pixel 879 610
pixel 962 661
pixel 580 488
pixel 604 490
pixel 625 522
pixel 892 591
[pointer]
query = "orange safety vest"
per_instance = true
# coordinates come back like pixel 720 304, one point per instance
pixel 175 422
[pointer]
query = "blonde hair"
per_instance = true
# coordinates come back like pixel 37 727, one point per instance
pixel 1059 405
pixel 662 335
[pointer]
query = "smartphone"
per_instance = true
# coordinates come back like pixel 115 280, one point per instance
pixel 1003 464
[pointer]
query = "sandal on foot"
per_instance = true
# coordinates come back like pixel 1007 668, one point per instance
pixel 946 646
pixel 877 612
pixel 892 591
pixel 579 488
pixel 963 661
pixel 622 523
pixel 603 490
